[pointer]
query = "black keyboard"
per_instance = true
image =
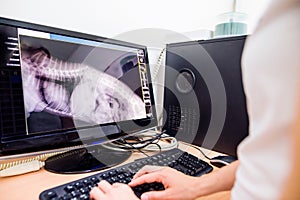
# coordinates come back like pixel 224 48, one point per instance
pixel 175 158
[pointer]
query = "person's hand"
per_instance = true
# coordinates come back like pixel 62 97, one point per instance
pixel 177 185
pixel 106 191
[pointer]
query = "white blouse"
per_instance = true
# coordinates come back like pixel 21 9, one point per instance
pixel 271 75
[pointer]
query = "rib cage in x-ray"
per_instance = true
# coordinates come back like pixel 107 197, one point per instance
pixel 75 90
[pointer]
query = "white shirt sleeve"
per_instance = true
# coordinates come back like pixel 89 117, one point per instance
pixel 271 75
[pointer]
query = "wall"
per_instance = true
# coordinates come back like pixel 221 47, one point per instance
pixel 151 23
pixel 110 18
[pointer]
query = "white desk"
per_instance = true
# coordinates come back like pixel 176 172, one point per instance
pixel 29 186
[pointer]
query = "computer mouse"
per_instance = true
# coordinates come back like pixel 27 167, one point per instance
pixel 220 161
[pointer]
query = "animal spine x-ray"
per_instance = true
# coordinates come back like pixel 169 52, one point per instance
pixel 85 89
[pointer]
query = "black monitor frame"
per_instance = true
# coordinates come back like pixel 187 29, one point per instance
pixel 60 139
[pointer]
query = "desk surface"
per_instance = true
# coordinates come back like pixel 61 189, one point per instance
pixel 29 186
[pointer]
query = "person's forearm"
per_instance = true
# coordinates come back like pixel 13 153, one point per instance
pixel 221 180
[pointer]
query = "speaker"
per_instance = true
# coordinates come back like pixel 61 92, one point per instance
pixel 204 100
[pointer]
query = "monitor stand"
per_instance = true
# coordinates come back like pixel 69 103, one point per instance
pixel 86 159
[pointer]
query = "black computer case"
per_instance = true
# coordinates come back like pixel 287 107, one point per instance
pixel 204 100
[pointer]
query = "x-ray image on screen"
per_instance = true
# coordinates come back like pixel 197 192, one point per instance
pixel 63 81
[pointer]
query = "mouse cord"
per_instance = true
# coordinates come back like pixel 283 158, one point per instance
pixel 198 148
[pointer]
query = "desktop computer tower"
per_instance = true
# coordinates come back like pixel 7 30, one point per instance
pixel 204 100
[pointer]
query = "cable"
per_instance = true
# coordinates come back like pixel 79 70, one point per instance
pixel 158 66
pixel 140 142
pixel 159 63
pixel 41 157
pixel 145 142
pixel 23 168
pixel 153 142
pixel 198 148
pixel 140 151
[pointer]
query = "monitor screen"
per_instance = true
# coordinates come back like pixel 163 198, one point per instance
pixel 60 88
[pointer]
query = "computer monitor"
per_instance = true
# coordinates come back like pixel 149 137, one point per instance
pixel 61 88
pixel 204 99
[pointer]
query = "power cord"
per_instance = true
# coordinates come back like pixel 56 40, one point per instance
pixel 159 63
pixel 158 66
pixel 31 166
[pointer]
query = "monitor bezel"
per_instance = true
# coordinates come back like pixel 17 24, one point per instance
pixel 69 138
